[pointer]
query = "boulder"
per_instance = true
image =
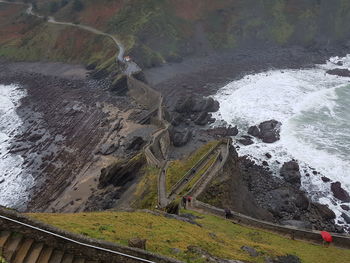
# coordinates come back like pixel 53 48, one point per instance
pixel 254 131
pixel 290 171
pixel 135 144
pixel 181 138
pixel 137 243
pixel 324 211
pixel 345 207
pixel 325 179
pixel 107 149
pixel 251 251
pixel 192 105
pixel 203 118
pixel 270 131
pixel 302 201
pixel 346 218
pixel 246 141
pixel 339 72
pixel 223 131
pixel 339 192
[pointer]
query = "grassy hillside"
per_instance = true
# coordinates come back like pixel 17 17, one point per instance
pixel 155 31
pixel 173 238
pixel 25 38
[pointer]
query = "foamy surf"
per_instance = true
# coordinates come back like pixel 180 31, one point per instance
pixel 13 182
pixel 313 109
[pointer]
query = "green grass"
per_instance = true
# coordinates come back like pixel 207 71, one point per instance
pixel 146 195
pixel 2 260
pixel 177 169
pixel 198 175
pixel 218 236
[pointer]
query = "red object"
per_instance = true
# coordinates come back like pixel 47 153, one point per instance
pixel 326 236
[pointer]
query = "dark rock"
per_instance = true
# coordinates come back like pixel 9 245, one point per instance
pixel 180 139
pixel 251 251
pixel 268 155
pixel 223 131
pixel 297 224
pixel 135 144
pixel 254 131
pixel 302 201
pixel 345 207
pixel 339 72
pixel 2 181
pixel 175 251
pixel 346 218
pixel 121 172
pixel 177 119
pixel 291 173
pixel 246 141
pixel 107 149
pixel 137 243
pixel 325 179
pixel 339 192
pixel 314 172
pixel 264 163
pixel 324 211
pixel 192 105
pixel 270 131
pixel 287 259
pixel 203 118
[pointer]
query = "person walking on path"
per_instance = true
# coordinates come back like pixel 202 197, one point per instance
pixel 189 200
pixel 184 201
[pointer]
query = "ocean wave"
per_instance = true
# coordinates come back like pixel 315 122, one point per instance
pixel 312 107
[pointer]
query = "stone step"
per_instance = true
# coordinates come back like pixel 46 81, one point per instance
pixel 56 256
pixel 23 251
pixel 11 246
pixel 45 255
pixel 67 258
pixel 4 236
pixel 79 260
pixel 34 253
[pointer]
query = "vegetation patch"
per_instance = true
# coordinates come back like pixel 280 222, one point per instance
pixel 172 238
pixel 177 169
pixel 198 175
pixel 146 195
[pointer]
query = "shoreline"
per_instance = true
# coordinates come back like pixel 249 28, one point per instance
pixel 72 128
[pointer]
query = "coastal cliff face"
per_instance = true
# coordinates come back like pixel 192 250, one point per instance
pixel 156 31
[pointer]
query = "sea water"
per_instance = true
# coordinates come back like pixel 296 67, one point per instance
pixel 14 182
pixel 314 109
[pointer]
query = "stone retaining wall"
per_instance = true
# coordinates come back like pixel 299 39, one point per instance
pixel 71 247
pixel 295 233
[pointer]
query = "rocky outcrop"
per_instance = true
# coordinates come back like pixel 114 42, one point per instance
pixel 268 131
pixel 290 171
pixel 339 72
pixel 223 131
pixel 192 104
pixel 229 191
pixel 119 173
pixel 194 109
pixel 180 138
pixel 339 192
pixel 283 199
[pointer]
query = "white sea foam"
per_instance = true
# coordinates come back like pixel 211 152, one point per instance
pixel 313 109
pixel 14 183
